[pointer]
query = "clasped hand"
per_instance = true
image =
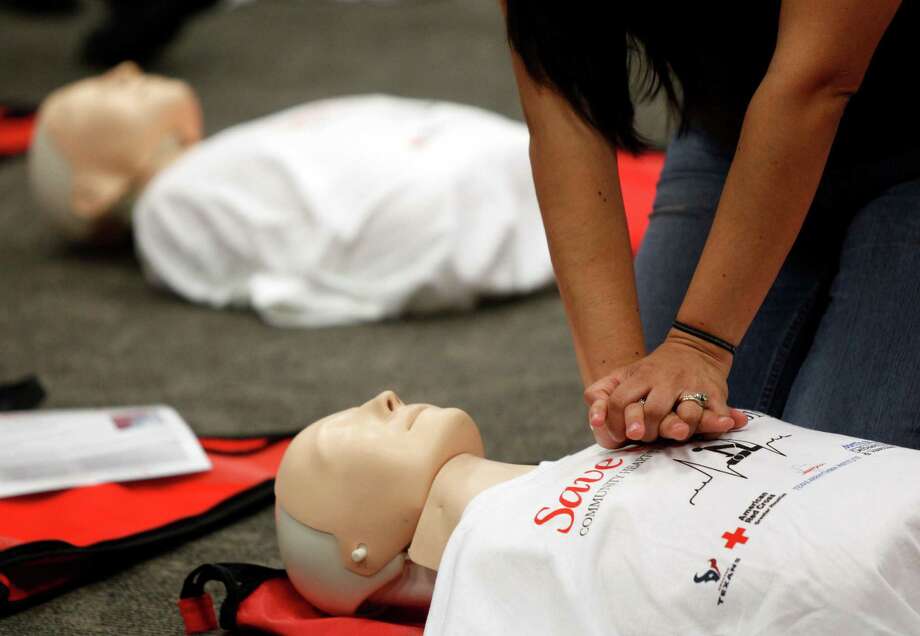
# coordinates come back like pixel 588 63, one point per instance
pixel 680 365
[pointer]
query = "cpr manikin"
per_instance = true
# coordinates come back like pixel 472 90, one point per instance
pixel 99 141
pixel 775 529
pixel 410 470
pixel 342 210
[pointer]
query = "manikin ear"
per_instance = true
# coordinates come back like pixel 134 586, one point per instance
pixel 96 193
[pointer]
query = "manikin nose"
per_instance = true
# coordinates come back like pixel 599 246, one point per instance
pixel 389 401
pixel 125 70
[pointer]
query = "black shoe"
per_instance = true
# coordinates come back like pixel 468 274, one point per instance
pixel 138 30
pixel 42 7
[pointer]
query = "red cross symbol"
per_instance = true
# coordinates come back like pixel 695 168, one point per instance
pixel 731 538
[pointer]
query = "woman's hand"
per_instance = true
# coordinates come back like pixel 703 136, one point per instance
pixel 682 365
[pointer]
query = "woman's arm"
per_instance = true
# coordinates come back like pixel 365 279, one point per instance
pixel 823 50
pixel 822 53
pixel 575 173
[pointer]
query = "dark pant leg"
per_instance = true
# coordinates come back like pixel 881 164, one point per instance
pixel 685 202
pixel 861 376
pixel 768 358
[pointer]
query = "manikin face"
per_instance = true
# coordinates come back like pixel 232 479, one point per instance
pixel 116 130
pixel 364 474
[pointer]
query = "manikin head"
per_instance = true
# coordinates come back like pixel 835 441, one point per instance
pixel 350 491
pixel 99 141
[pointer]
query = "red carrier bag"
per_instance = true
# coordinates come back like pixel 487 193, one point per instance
pixel 638 181
pixel 262 600
pixel 55 541
pixel 16 125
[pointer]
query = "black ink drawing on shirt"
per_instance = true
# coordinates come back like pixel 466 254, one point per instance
pixel 735 451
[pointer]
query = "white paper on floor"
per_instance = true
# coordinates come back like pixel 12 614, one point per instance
pixel 54 449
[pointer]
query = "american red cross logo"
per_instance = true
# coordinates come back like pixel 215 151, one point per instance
pixel 731 538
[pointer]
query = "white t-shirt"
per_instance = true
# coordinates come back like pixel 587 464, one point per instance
pixel 777 530
pixel 348 210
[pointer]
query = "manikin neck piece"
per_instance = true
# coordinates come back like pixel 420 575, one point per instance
pixel 455 486
pixel 413 588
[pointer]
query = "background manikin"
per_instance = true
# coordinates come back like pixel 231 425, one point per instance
pixel 775 529
pixel 343 210
pixel 99 141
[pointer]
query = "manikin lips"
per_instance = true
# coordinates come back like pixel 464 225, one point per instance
pixel 410 418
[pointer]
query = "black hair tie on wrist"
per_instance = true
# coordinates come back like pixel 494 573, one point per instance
pixel 702 335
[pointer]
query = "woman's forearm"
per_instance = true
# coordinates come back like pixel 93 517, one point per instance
pixel 822 53
pixel 575 174
pixel 579 194
pixel 785 140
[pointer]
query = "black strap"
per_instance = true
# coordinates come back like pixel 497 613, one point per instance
pixel 26 393
pixel 239 579
pixel 32 564
pixel 702 335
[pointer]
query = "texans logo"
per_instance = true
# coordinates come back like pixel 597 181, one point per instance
pixel 711 575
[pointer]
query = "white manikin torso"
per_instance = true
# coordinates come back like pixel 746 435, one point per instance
pixel 348 210
pixel 789 532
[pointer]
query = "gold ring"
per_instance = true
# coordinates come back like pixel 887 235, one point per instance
pixel 699 398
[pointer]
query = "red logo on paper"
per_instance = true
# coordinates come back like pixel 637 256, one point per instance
pixel 124 421
pixel 732 538
pixel 571 497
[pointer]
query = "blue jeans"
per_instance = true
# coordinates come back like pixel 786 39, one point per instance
pixel 836 344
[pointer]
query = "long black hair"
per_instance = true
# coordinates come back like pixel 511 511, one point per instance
pixel 590 50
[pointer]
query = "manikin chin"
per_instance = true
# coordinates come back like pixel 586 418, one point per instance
pixel 367 499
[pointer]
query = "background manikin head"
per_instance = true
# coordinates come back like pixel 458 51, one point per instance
pixel 350 491
pixel 98 142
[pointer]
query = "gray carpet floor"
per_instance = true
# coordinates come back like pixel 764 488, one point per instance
pixel 86 322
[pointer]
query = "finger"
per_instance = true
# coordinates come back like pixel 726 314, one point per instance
pixel 601 389
pixel 596 396
pixel 616 422
pixel 657 405
pixel 717 416
pixel 602 435
pixel 739 418
pixel 634 418
pixel 597 414
pixel 626 393
pixel 713 423
pixel 691 413
pixel 673 427
pixel 717 405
